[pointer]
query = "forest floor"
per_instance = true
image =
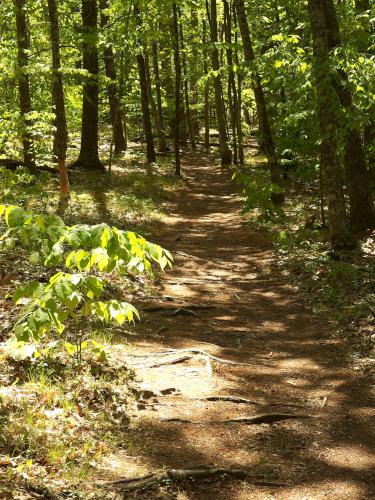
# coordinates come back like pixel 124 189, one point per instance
pixel 226 334
pixel 226 297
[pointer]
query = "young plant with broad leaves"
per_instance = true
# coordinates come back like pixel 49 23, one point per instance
pixel 84 256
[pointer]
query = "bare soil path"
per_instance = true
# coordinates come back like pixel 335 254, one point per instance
pixel 225 297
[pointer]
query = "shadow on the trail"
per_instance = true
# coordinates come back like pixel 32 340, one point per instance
pixel 256 319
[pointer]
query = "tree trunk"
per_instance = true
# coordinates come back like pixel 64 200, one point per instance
pixel 193 71
pixel 186 89
pixel 264 126
pixel 177 66
pixel 23 44
pixel 241 155
pixel 89 152
pixel 327 100
pixel 357 176
pixel 225 152
pixel 206 93
pixel 58 103
pixel 232 91
pixel 160 120
pixel 113 88
pixel 147 128
pixel 367 47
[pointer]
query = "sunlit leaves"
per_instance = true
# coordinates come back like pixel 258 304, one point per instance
pixel 78 295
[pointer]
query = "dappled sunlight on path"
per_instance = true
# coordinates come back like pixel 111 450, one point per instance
pixel 224 296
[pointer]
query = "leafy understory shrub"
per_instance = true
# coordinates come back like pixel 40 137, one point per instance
pixel 258 191
pixel 84 256
pixel 19 185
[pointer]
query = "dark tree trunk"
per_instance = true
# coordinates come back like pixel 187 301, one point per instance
pixel 193 72
pixel 58 103
pixel 225 152
pixel 160 119
pixel 327 100
pixel 147 127
pixel 264 126
pixel 23 44
pixel 232 90
pixel 357 176
pixel 154 107
pixel 241 156
pixel 177 65
pixel 89 152
pixel 186 89
pixel 206 93
pixel 366 45
pixel 114 97
pixel 151 100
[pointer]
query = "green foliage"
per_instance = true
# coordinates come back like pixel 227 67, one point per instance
pixel 257 191
pixel 17 186
pixel 90 251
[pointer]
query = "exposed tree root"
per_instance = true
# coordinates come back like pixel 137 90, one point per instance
pixel 173 309
pixel 199 352
pixel 267 418
pixel 236 399
pixel 184 356
pixel 174 361
pixel 159 478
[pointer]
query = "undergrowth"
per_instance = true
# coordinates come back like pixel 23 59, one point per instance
pixel 340 289
pixel 59 418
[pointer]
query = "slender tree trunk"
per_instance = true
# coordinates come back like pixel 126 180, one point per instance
pixel 225 152
pixel 206 92
pixel 186 89
pixel 160 120
pixel 241 155
pixel 232 90
pixel 177 65
pixel 327 100
pixel 89 152
pixel 357 176
pixel 23 44
pixel 366 46
pixel 113 88
pixel 264 126
pixel 147 128
pixel 58 103
pixel 193 70
pixel 153 110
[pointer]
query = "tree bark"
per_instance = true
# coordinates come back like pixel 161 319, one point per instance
pixel 186 90
pixel 367 46
pixel 58 103
pixel 225 152
pixel 194 65
pixel 358 179
pixel 206 92
pixel 114 97
pixel 89 152
pixel 241 155
pixel 327 100
pixel 23 45
pixel 147 127
pixel 160 119
pixel 177 65
pixel 264 126
pixel 232 90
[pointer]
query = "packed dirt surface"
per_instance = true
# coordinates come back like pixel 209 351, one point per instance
pixel 224 297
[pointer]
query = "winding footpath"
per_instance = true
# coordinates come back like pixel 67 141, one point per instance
pixel 225 297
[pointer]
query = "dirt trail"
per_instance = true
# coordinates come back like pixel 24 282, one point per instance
pixel 247 313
